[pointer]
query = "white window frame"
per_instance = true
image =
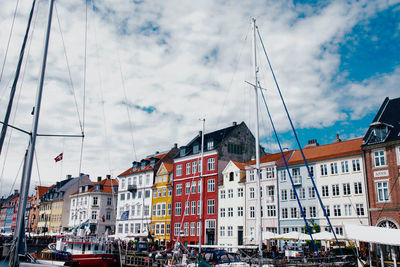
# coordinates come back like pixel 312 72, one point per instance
pixel 377 183
pixel 211 185
pixel 211 164
pixel 379 156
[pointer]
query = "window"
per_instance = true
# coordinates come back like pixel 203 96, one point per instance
pixel 282 174
pixel 357 188
pixel 398 154
pixel 230 230
pixel 198 229
pixel 170 191
pixel 271 211
pixel 187 188
pixel 311 192
pixel 193 209
pixel 108 215
pixel 133 210
pixel 356 165
pixel 192 228
pixel 198 207
pixel 240 192
pixel 147 193
pixel 96 199
pixel 178 191
pixel 337 212
pixel 146 210
pixel 296 175
pixel 177 229
pixel 222 212
pixel 379 158
pixel 283 194
pixel 231 177
pixel 222 194
pixel 210 206
pixel 162 229
pixel 251 176
pixel 230 212
pixel 179 170
pixel 162 209
pixel 210 144
pixel 347 210
pixel 324 170
pixel 270 173
pixel 346 189
pixel 284 213
pixel 334 169
pixel 382 189
pixel 293 212
pixel 164 192
pixel 252 212
pixel 178 209
pixel 313 212
pixel 211 164
pixel 222 231
pixel 360 209
pixel 211 185
pixel 252 194
pixel 311 170
pixel 169 208
pixel 230 193
pixel 187 208
pixel 302 193
pixel 292 194
pixel 194 167
pixel 345 166
pixel 240 211
pixel 325 191
pixel 194 186
pixel 94 214
pixel 187 168
pixel 335 190
pixel 328 211
pixel 186 228
pixel 168 231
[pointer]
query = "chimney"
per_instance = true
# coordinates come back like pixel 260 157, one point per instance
pixel 69 176
pixel 337 139
pixel 157 152
pixel 108 176
pixel 234 123
pixel 15 191
pixel 98 178
pixel 200 133
pixel 285 149
pixel 176 145
pixel 311 143
pixel 81 174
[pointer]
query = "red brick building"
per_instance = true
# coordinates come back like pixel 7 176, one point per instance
pixel 381 145
pixel 232 143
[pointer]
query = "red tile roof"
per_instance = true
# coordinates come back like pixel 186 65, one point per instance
pixel 147 168
pixel 41 190
pixel 328 151
pixel 240 165
pixel 270 158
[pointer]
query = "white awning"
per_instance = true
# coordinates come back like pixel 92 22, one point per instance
pixel 326 236
pixel 293 236
pixel 372 234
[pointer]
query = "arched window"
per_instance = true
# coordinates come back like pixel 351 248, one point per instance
pixel 231 175
pixel 387 224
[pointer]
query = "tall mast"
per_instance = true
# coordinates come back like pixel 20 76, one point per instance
pixel 201 182
pixel 31 149
pixel 257 174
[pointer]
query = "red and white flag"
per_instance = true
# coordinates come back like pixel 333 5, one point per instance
pixel 59 157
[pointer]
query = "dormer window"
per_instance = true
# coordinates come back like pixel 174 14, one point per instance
pixel 152 162
pixel 143 165
pixel 195 149
pixel 210 144
pixel 134 165
pixel 231 176
pixel 97 187
pixel 86 188
pixel 379 132
pixel 183 151
pixel 80 189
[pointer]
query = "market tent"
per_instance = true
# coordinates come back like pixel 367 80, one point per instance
pixel 372 234
pixel 266 235
pixel 293 236
pixel 326 236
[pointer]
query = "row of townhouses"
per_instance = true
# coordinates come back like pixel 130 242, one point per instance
pixel 209 193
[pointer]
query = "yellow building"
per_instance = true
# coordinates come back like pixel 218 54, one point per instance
pixel 56 216
pixel 162 204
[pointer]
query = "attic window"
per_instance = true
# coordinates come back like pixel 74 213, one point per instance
pixel 183 151
pixel 379 132
pixel 210 144
pixel 97 187
pixel 195 149
pixel 152 161
pixel 231 176
pixel 143 165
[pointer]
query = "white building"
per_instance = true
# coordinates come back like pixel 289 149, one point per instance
pixel 269 196
pixel 232 205
pixel 95 205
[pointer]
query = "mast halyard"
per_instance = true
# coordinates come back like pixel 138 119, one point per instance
pixel 257 174
pixel 31 149
pixel 201 182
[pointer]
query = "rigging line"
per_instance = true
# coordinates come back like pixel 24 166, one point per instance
pixel 101 96
pixel 297 141
pixel 9 39
pixel 84 88
pixel 355 209
pixel 37 168
pixel 384 204
pixel 127 106
pixel 68 67
pixel 16 176
pixel 290 176
pixel 233 75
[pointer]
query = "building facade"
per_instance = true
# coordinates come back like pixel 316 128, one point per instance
pixel 381 146
pixel 231 205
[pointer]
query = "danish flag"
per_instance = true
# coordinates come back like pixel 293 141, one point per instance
pixel 59 157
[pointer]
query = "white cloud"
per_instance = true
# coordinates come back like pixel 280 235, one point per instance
pixel 186 60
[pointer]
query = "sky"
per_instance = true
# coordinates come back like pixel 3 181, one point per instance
pixel 155 68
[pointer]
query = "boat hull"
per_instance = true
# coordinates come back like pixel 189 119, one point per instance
pixel 94 260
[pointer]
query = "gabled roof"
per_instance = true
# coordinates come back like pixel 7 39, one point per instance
pixel 388 116
pixel 145 169
pixel 41 190
pixel 328 151
pixel 271 158
pixel 106 186
pixel 168 166
pixel 240 165
pixel 217 137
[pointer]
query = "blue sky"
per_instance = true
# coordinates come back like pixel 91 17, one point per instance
pixel 154 68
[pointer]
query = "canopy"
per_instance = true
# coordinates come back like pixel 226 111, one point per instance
pixel 293 236
pixel 372 234
pixel 326 236
pixel 268 235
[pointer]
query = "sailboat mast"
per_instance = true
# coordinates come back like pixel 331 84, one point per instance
pixel 201 182
pixel 31 150
pixel 257 174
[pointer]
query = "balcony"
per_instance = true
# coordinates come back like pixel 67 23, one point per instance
pixel 297 180
pixel 132 188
